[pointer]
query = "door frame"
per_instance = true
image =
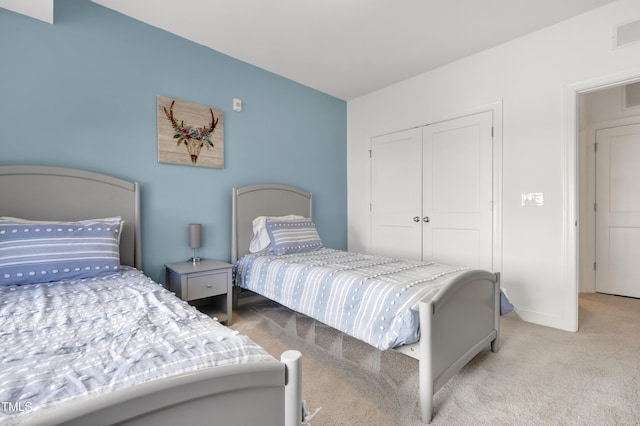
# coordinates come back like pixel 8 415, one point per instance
pixel 571 185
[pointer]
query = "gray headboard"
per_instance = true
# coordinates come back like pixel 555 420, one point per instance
pixel 252 201
pixel 56 193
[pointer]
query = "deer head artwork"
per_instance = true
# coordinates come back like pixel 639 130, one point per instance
pixel 193 138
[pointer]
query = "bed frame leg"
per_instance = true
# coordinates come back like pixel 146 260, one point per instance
pixel 425 368
pixel 495 343
pixel 426 404
pixel 293 388
pixel 234 297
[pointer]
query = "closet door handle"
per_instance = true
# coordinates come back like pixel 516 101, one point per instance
pixel 416 218
pixel 426 219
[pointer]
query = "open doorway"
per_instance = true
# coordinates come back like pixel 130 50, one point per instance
pixel 608 148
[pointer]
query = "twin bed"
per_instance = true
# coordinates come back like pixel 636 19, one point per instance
pixel 439 314
pixel 87 338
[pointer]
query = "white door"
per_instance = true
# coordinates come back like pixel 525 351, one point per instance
pixel 396 194
pixel 431 192
pixel 458 191
pixel 618 210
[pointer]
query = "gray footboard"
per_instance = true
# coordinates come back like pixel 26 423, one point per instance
pixel 253 393
pixel 460 321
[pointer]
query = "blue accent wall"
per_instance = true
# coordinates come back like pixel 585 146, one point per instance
pixel 82 93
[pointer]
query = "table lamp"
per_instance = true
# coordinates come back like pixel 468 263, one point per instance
pixel 195 240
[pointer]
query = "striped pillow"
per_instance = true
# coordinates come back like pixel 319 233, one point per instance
pixel 293 236
pixel 33 252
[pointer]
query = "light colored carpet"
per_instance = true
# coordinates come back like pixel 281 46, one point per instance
pixel 541 376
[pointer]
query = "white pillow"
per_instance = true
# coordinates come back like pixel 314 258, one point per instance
pixel 260 241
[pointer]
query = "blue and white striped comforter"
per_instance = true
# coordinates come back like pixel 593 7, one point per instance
pixel 371 298
pixel 70 340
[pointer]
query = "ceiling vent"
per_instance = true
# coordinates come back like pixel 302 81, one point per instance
pixel 626 34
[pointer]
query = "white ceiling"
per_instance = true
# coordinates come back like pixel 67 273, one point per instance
pixel 348 48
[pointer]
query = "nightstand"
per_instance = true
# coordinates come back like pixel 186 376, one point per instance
pixel 204 279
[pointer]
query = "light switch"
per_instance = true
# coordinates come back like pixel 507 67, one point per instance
pixel 533 199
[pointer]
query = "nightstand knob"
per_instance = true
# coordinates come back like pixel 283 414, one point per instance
pixel 209 286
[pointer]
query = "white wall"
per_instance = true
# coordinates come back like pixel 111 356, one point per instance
pixel 532 77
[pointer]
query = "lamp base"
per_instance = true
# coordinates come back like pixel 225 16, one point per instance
pixel 194 259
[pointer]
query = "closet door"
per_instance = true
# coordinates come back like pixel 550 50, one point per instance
pixel 457 191
pixel 396 194
pixel 432 192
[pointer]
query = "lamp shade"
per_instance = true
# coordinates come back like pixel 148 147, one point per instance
pixel 195 235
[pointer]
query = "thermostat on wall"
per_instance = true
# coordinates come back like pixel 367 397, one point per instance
pixel 237 105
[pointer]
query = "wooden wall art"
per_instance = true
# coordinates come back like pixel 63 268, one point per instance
pixel 190 133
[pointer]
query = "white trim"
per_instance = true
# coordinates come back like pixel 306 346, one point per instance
pixel 497 186
pixel 569 212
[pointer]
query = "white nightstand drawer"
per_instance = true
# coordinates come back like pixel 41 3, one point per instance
pixel 206 285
